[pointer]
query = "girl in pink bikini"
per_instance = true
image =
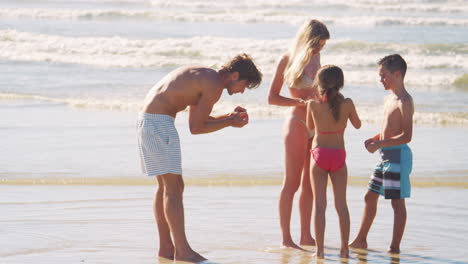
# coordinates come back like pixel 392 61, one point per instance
pixel 328 116
pixel 297 69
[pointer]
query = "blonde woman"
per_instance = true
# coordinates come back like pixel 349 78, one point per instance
pixel 297 69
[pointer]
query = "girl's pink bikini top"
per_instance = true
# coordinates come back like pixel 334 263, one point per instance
pixel 333 132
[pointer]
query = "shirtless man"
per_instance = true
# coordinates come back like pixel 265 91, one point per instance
pixel 200 88
pixel 391 176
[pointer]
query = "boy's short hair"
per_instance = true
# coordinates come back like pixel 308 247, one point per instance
pixel 246 68
pixel 394 63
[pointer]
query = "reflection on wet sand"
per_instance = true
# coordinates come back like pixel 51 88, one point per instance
pixel 291 256
pixel 374 256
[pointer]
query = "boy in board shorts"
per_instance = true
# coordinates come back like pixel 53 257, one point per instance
pixel 391 176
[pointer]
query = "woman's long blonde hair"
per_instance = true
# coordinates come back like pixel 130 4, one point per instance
pixel 307 39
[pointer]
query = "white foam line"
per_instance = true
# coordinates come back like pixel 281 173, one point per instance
pixel 367 113
pixel 249 15
pixel 358 61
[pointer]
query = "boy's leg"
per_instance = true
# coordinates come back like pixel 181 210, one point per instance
pixel 174 211
pixel 166 247
pixel 399 222
pixel 399 206
pixel 339 180
pixel 370 211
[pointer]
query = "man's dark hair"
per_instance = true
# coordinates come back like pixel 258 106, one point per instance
pixel 394 63
pixel 246 68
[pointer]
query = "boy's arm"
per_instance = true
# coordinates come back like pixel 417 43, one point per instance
pixel 369 144
pixel 407 111
pixel 371 140
pixel 376 137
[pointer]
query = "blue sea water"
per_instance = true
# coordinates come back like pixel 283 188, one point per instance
pixel 68 64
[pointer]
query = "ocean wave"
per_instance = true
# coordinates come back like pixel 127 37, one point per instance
pixel 101 51
pixel 368 113
pixel 248 15
pixel 461 82
pixel 429 64
pixel 420 80
pixel 39 13
pixel 91 103
pixel 387 5
pixel 383 47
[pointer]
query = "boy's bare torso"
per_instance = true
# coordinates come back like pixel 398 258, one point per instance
pixel 392 123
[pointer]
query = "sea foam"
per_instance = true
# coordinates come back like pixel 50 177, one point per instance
pixel 429 64
pixel 237 15
pixel 369 113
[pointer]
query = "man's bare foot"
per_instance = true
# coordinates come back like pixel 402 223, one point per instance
pixel 290 244
pixel 191 256
pixel 319 255
pixel 358 244
pixel 170 257
pixel 167 252
pixel 344 253
pixel 307 241
pixel 394 250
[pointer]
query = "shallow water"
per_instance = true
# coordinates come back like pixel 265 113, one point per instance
pixel 104 224
pixel 67 143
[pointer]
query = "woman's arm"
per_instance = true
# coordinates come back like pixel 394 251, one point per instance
pixel 274 97
pixel 309 117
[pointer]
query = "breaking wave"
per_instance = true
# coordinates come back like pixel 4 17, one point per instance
pixel 250 14
pixel 430 64
pixel 367 113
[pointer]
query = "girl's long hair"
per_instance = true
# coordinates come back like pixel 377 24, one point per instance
pixel 330 80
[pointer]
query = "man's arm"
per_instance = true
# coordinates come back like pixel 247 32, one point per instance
pixel 220 117
pixel 201 122
pixel 229 115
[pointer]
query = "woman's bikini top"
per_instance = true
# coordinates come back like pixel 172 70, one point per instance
pixel 304 82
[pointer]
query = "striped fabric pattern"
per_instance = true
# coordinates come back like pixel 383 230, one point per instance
pixel 159 145
pixel 391 175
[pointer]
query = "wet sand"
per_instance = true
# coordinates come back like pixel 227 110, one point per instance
pixel 114 224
